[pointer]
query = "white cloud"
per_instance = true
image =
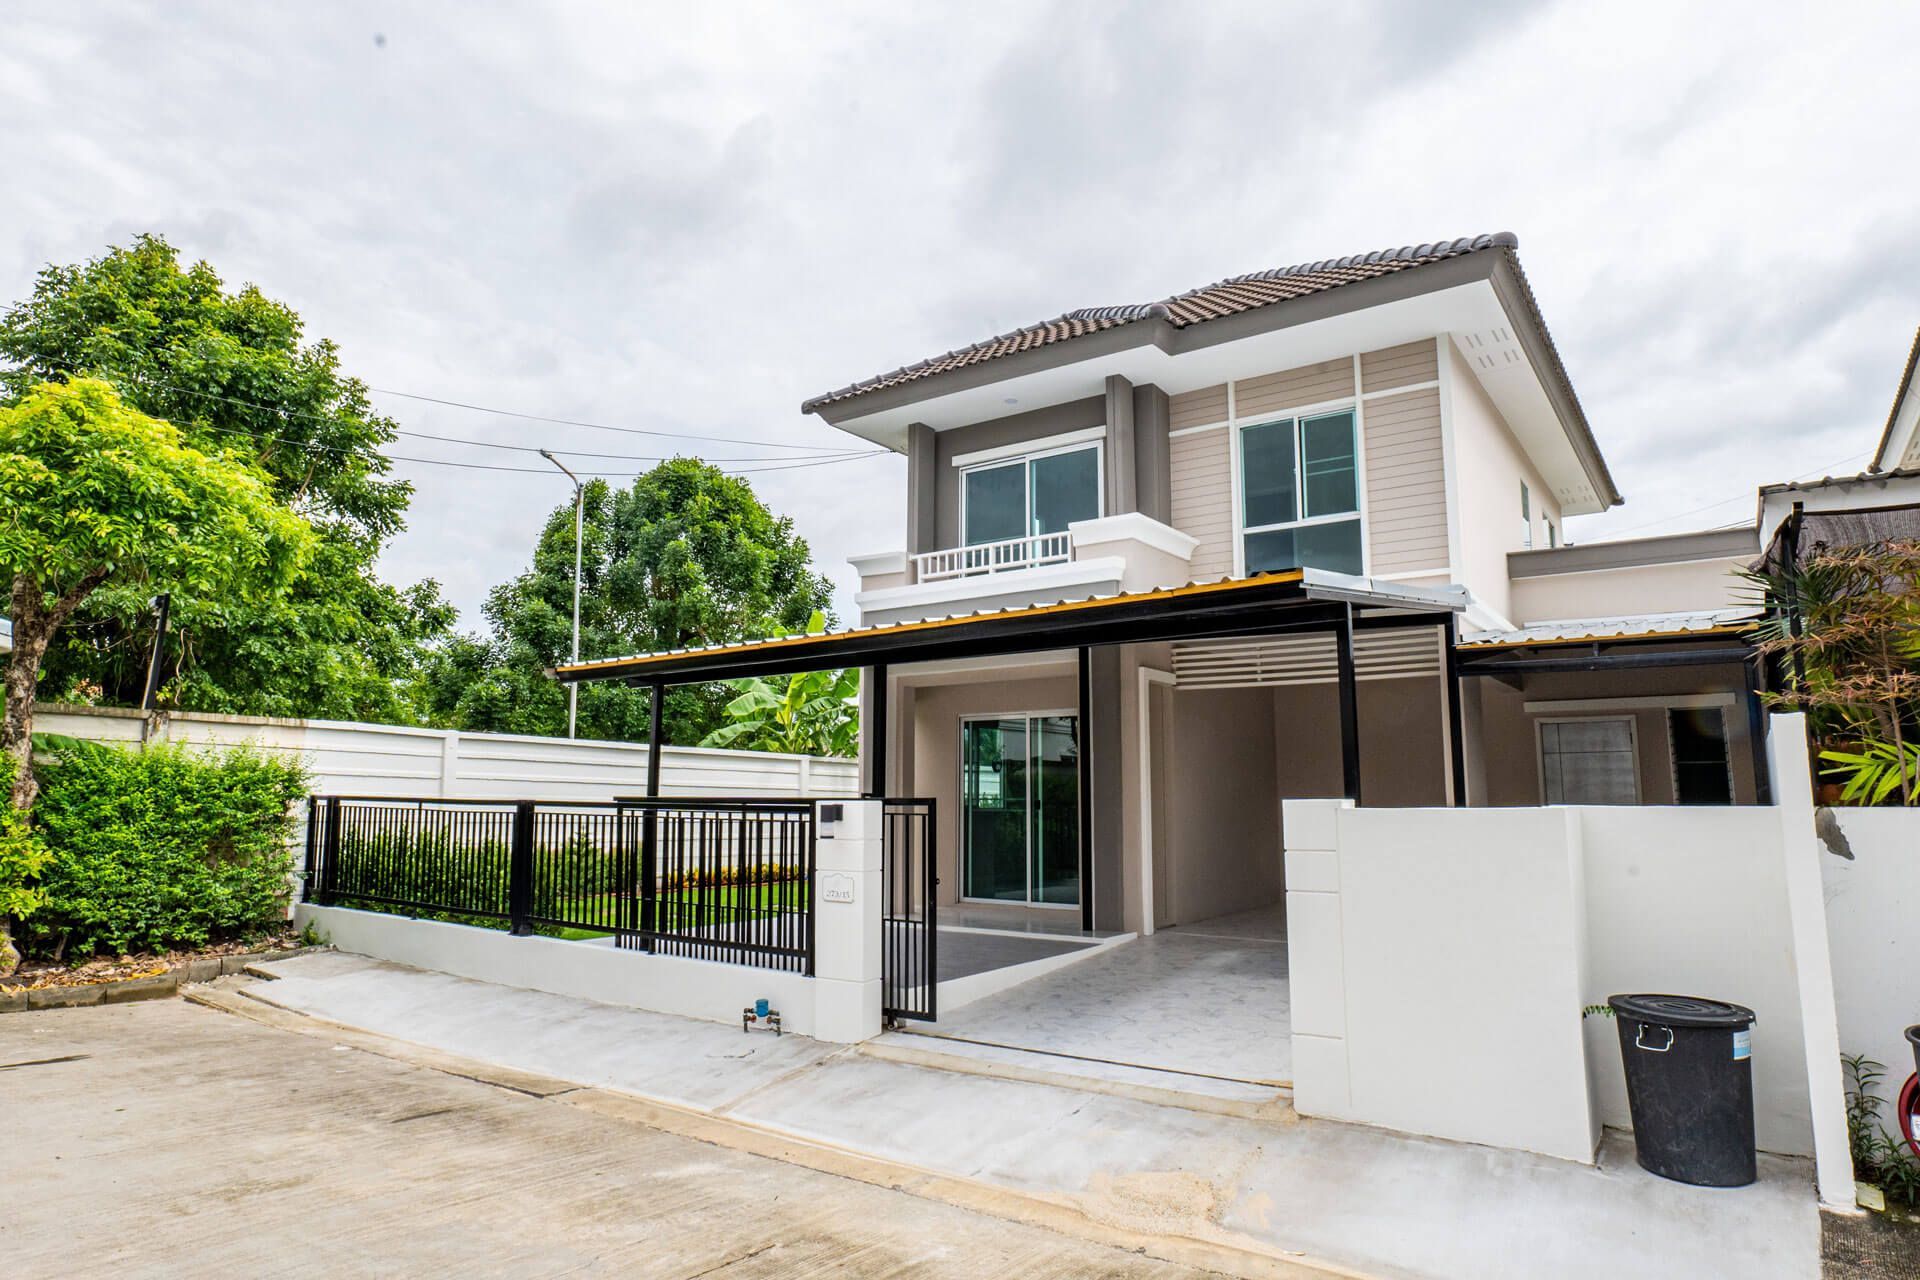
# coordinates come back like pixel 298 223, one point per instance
pixel 693 217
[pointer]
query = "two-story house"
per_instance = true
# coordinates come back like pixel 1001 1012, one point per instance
pixel 1297 533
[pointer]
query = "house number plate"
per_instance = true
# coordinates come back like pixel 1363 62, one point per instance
pixel 836 889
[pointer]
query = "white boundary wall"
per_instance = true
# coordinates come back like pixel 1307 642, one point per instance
pixel 348 758
pixel 1873 927
pixel 1439 960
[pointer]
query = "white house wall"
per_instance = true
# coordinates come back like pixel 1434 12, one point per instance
pixel 1873 930
pixel 1680 587
pixel 1489 468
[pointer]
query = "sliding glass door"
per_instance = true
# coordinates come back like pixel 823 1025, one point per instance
pixel 1020 809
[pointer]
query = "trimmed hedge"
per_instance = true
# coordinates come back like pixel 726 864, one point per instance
pixel 160 847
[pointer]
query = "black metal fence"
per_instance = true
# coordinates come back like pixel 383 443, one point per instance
pixel 909 962
pixel 714 879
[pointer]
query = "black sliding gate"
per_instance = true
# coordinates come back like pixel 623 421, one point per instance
pixel 909 967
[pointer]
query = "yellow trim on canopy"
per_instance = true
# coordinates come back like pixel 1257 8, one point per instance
pixel 929 624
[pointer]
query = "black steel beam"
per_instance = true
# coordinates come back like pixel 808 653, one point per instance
pixel 1521 666
pixel 1083 762
pixel 877 749
pixel 1456 733
pixel 1349 708
pixel 1757 732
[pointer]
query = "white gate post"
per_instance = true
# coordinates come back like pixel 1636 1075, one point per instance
pixel 847 920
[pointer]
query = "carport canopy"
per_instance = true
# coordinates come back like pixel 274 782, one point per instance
pixel 1293 601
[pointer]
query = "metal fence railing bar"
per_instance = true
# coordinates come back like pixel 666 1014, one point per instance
pixel 722 879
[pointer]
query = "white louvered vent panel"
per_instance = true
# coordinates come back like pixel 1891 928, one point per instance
pixel 1306 659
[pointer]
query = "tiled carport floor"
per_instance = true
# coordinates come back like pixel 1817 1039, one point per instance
pixel 1206 999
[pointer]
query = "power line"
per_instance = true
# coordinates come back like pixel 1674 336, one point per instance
pixel 1681 515
pixel 594 426
pixel 480 444
pixel 614 475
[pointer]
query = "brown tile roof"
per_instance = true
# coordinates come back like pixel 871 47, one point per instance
pixel 1196 306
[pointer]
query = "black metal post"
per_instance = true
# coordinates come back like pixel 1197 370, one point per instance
pixel 162 606
pixel 650 822
pixel 1349 707
pixel 520 871
pixel 1794 618
pixel 877 749
pixel 1084 768
pixel 1757 733
pixel 311 867
pixel 330 854
pixel 1456 733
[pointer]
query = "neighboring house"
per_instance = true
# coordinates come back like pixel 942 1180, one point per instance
pixel 1168 564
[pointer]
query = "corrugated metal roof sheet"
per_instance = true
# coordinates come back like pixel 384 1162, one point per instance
pixel 1644 626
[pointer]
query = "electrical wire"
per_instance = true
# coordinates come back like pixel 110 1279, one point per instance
pixel 571 422
pixel 1613 534
pixel 484 444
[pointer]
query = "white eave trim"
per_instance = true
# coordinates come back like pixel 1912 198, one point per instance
pixel 1324 584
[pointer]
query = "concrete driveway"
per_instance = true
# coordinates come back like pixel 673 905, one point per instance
pixel 165 1139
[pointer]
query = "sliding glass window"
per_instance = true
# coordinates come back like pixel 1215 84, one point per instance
pixel 1022 497
pixel 1300 494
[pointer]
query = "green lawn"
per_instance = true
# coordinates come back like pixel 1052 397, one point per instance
pixel 688 908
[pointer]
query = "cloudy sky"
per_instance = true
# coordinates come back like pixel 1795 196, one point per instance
pixel 688 218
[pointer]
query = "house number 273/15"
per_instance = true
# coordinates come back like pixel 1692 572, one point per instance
pixel 836 889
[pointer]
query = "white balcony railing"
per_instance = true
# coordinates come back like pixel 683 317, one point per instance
pixel 993 557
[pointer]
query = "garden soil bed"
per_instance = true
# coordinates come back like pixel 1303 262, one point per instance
pixel 42 984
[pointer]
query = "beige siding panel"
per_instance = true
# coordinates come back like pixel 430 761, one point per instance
pixel 1400 366
pixel 1310 384
pixel 1406 477
pixel 1197 408
pixel 1202 487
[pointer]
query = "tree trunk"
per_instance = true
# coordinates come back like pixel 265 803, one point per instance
pixel 31 632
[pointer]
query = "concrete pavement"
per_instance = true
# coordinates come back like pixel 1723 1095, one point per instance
pixel 1263 1184
pixel 166 1139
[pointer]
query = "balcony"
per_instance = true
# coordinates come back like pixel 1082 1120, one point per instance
pixel 1129 552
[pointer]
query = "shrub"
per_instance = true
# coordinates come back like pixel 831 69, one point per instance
pixel 160 847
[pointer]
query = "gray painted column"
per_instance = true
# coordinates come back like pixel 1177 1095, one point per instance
pixel 1109 811
pixel 1122 485
pixel 1152 464
pixel 922 494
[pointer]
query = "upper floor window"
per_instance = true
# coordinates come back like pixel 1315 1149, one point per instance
pixel 1300 494
pixel 1035 494
pixel 1526 516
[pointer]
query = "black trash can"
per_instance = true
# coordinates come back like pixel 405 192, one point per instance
pixel 1689 1087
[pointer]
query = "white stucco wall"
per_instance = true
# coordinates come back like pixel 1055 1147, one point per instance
pixel 1489 466
pixel 1439 958
pixel 1873 930
pixel 1655 588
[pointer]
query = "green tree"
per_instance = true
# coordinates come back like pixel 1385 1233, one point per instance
pixel 95 494
pixel 1845 624
pixel 687 556
pixel 234 373
pixel 809 713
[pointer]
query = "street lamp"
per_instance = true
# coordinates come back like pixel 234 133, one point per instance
pixel 579 493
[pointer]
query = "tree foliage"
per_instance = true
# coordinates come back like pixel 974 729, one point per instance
pixel 234 372
pixel 160 847
pixel 814 713
pixel 94 493
pixel 1845 626
pixel 686 556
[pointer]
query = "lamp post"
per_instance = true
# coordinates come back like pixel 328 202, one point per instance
pixel 579 494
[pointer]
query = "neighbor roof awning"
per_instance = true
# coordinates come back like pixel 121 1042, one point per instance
pixel 1277 602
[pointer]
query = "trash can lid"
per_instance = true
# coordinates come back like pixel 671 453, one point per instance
pixel 1682 1011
